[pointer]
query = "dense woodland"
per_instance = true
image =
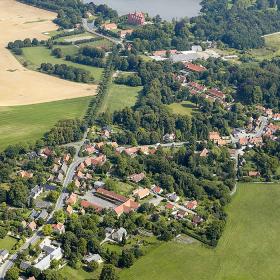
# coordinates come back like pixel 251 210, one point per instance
pixel 240 24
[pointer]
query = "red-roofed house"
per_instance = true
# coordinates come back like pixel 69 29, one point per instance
pixel 204 153
pixel 100 160
pixel 243 141
pixel 126 207
pixel 214 136
pixel 254 173
pixel 72 199
pixel 191 205
pixel 141 193
pixel 157 189
pixel 110 26
pixel 25 174
pixel 69 210
pixel 32 225
pixel 124 33
pixel 59 228
pixel 169 206
pixel 111 196
pixel 136 178
pixel 216 93
pixel 87 204
pixel 131 151
pixel 195 67
pixel 163 53
pixel 197 86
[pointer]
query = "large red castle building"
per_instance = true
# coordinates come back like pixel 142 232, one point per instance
pixel 136 18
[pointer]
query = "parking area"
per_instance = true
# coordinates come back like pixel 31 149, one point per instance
pixel 89 196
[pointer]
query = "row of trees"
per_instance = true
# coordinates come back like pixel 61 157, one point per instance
pixel 67 72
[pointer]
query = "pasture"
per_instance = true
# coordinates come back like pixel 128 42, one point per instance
pixel 247 250
pixel 119 97
pixel 183 108
pixel 35 56
pixel 20 124
pixel 271 48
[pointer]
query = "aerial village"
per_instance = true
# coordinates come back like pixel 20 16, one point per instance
pixel 80 179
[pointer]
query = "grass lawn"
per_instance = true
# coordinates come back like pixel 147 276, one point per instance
pixel 30 122
pixel 80 274
pixel 35 56
pixel 183 108
pixel 271 48
pixel 104 43
pixel 119 97
pixel 248 249
pixel 7 243
pixel 124 188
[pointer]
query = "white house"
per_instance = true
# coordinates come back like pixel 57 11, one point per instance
pixel 119 234
pixel 4 254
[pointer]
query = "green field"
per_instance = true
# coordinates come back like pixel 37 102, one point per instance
pixel 248 249
pixel 28 123
pixel 7 243
pixel 271 48
pixel 119 97
pixel 183 108
pixel 80 274
pixel 35 56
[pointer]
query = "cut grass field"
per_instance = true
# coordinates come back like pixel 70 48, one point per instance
pixel 183 108
pixel 28 123
pixel 35 56
pixel 80 274
pixel 271 48
pixel 119 97
pixel 7 243
pixel 248 249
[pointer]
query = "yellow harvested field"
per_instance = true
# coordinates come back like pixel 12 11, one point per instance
pixel 19 86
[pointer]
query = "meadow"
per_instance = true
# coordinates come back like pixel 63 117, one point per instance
pixel 248 249
pixel 7 243
pixel 35 56
pixel 28 123
pixel 183 108
pixel 119 97
pixel 271 48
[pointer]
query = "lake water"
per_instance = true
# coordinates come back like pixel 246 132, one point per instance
pixel 167 9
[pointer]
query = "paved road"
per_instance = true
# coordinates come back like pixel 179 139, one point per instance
pixel 259 132
pixel 59 205
pixel 90 30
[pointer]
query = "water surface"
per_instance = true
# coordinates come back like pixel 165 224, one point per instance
pixel 167 9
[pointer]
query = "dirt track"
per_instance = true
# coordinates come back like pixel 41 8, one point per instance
pixel 19 86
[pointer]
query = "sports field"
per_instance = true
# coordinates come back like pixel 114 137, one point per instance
pixel 19 86
pixel 248 249
pixel 119 97
pixel 28 123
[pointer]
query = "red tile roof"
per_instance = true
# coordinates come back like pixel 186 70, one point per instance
pixel 126 207
pixel 111 195
pixel 87 204
pixel 195 67
pixel 216 93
